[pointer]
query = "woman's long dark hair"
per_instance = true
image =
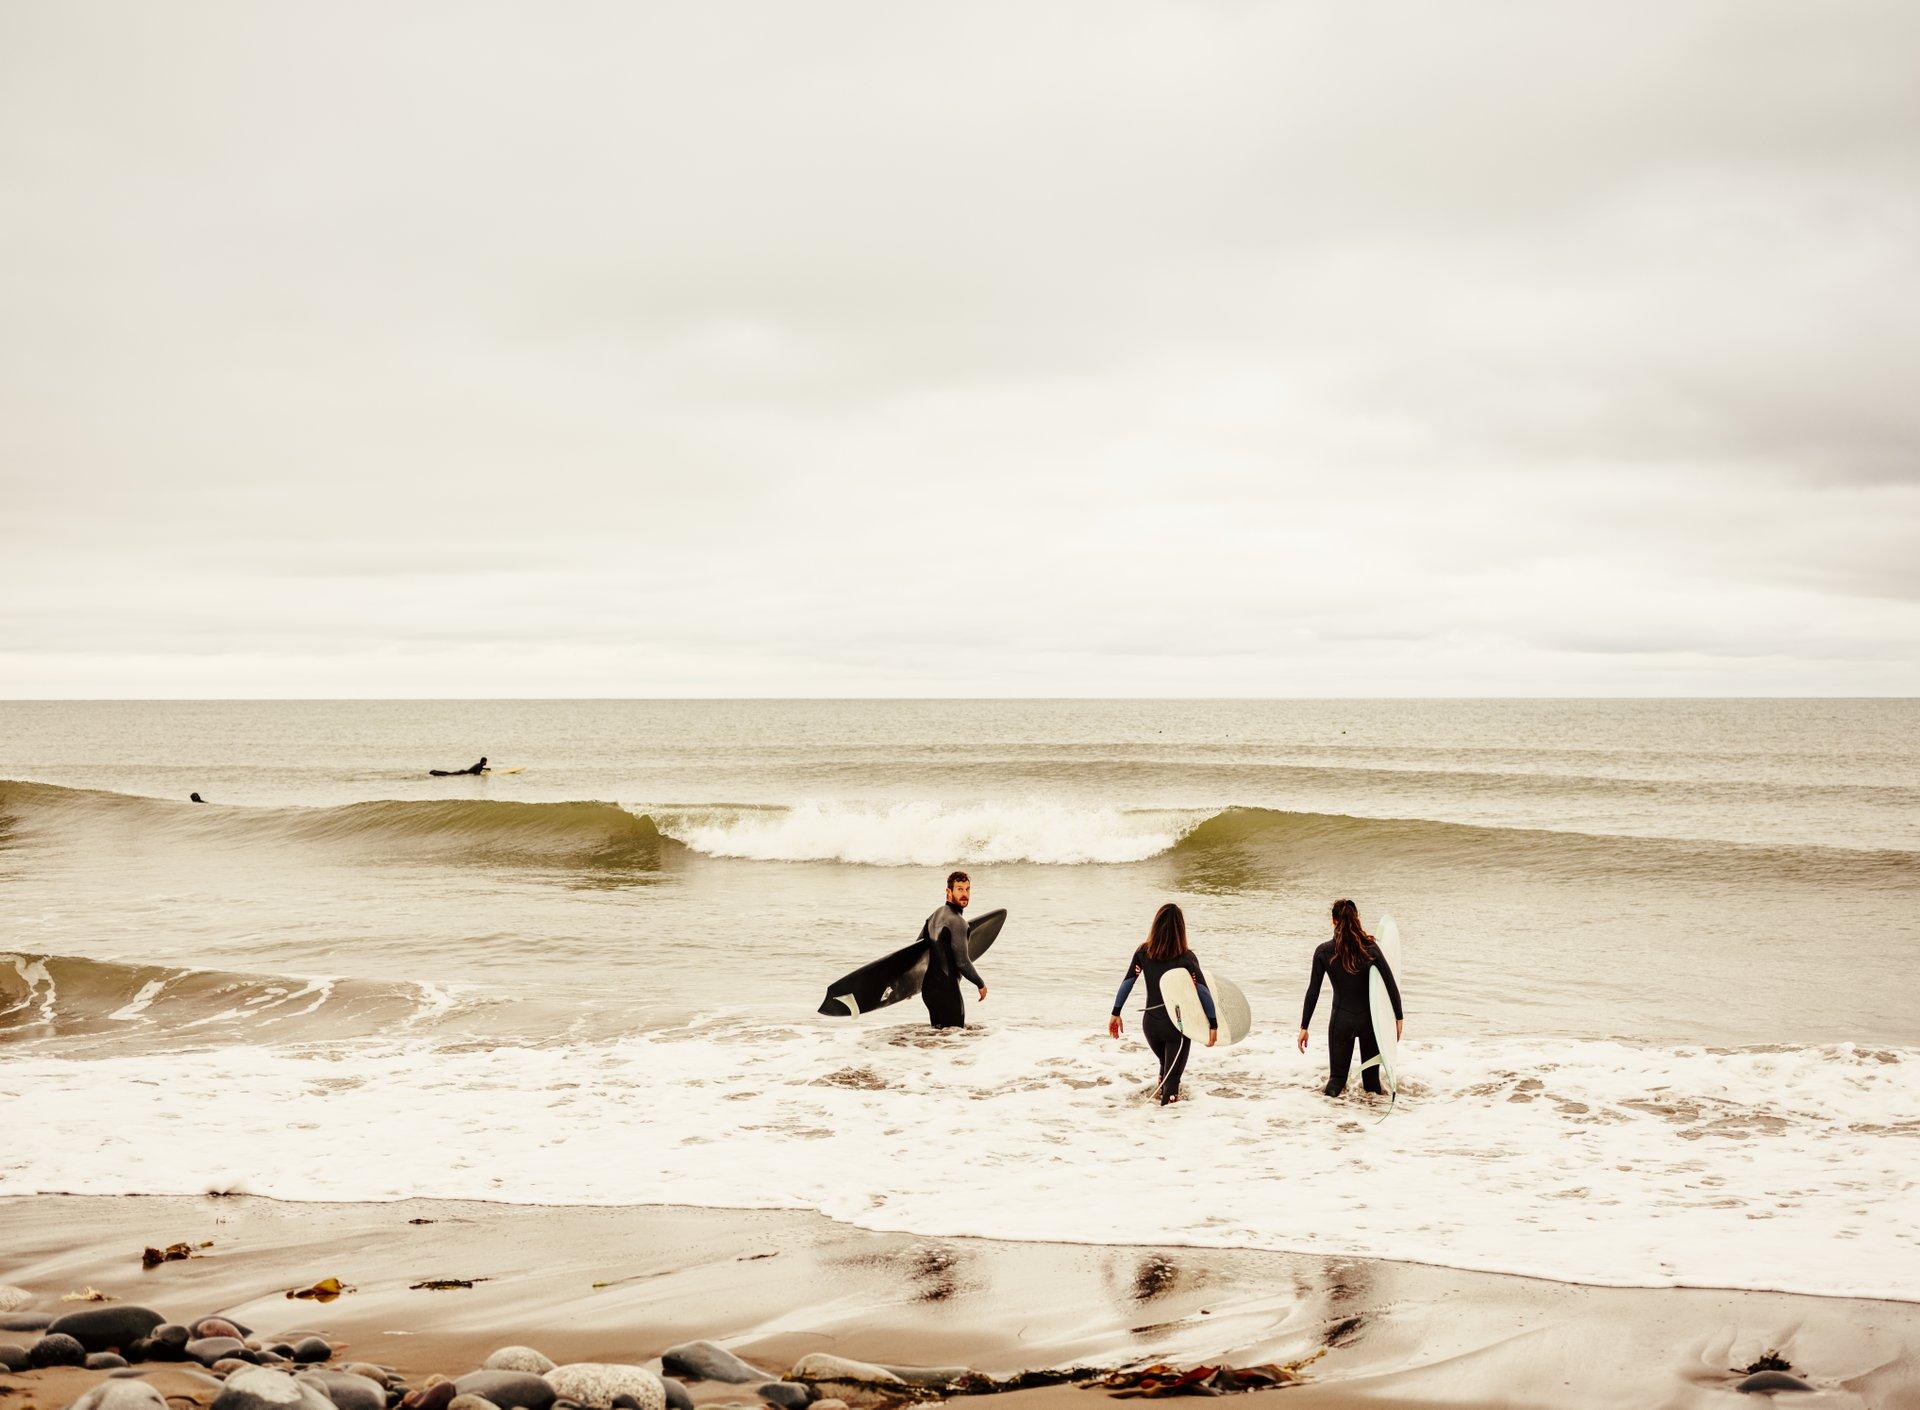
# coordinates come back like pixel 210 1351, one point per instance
pixel 1167 940
pixel 1352 946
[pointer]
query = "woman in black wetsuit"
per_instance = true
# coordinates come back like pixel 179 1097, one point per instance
pixel 1345 960
pixel 1166 949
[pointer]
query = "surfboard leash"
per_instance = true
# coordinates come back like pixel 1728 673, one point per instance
pixel 1393 1093
pixel 1185 1043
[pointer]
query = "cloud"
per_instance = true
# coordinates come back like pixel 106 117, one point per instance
pixel 1173 348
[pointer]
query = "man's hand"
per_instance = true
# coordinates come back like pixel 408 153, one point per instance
pixel 1213 1035
pixel 1399 1027
pixel 1114 1026
pixel 1303 1040
pixel 983 993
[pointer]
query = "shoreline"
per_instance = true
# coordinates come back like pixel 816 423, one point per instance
pixel 623 1283
pixel 1163 1246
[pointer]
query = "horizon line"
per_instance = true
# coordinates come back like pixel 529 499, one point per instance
pixel 859 699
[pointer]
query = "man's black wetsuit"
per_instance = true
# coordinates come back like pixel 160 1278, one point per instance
pixel 1169 1044
pixel 947 929
pixel 1352 1017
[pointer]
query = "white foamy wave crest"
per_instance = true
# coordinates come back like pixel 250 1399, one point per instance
pixel 140 1002
pixel 1595 1162
pixel 35 988
pixel 929 834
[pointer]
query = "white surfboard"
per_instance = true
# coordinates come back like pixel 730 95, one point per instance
pixel 1387 934
pixel 1177 992
pixel 1380 1004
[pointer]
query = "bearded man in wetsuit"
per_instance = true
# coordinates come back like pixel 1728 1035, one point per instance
pixel 946 930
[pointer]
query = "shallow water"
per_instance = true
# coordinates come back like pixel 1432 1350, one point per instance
pixel 1662 1023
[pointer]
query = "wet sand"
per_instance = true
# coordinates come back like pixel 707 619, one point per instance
pixel 622 1284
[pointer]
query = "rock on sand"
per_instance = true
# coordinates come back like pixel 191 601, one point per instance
pixel 259 1388
pixel 519 1358
pixel 108 1328
pixel 821 1366
pixel 121 1395
pixel 703 1361
pixel 346 1390
pixel 509 1390
pixel 166 1342
pixel 436 1393
pixel 788 1395
pixel 56 1349
pixel 595 1384
pixel 1767 1382
pixel 207 1350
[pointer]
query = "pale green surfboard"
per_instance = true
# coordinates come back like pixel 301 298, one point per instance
pixel 1177 992
pixel 1380 1004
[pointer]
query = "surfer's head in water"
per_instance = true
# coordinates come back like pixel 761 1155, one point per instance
pixel 959 890
pixel 1167 936
pixel 1351 944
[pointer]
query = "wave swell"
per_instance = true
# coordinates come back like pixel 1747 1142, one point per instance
pixel 447 829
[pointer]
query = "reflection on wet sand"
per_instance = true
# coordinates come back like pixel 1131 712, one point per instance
pixel 623 1283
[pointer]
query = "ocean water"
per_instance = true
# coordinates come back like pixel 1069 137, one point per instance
pixel 1663 1025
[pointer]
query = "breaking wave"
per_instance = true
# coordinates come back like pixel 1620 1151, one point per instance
pixel 932 834
pixel 1041 832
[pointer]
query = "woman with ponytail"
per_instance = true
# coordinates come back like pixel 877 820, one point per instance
pixel 1165 950
pixel 1345 960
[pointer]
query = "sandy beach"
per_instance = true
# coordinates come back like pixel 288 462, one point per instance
pixel 622 1285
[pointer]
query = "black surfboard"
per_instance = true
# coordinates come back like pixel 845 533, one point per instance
pixel 898 976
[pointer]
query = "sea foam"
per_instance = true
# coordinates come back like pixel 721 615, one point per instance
pixel 1592 1161
pixel 929 834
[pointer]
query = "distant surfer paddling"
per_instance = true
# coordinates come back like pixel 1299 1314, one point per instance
pixel 946 932
pixel 1165 950
pixel 1345 960
pixel 479 768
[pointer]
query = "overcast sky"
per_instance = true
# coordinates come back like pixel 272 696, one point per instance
pixel 959 349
